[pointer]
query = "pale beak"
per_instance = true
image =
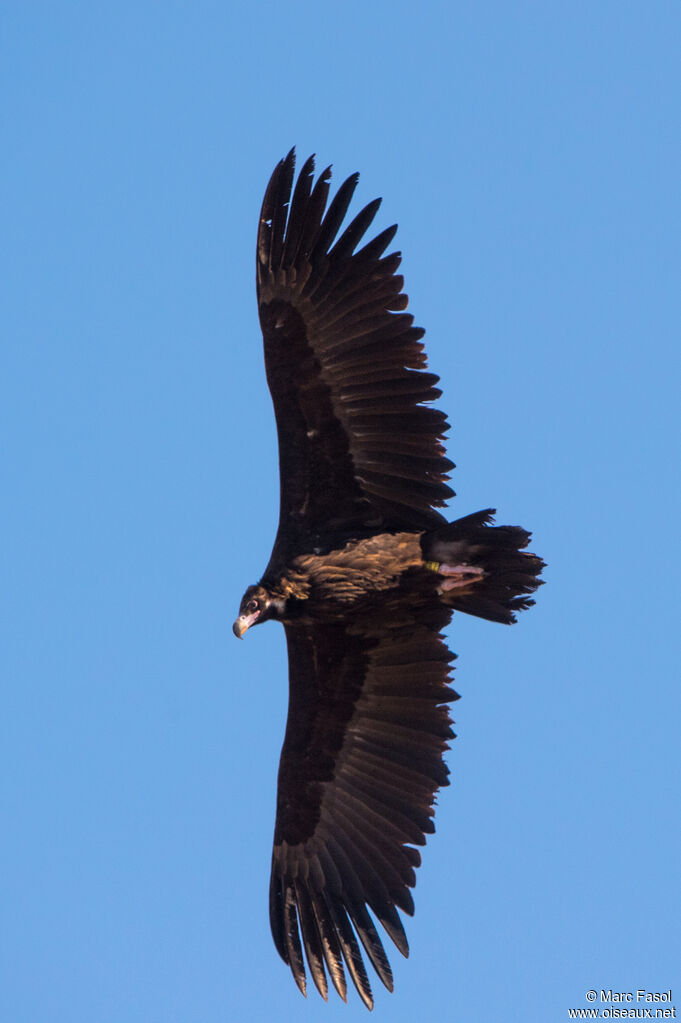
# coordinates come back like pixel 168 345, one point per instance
pixel 243 623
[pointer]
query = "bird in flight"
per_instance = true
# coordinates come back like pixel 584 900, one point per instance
pixel 364 576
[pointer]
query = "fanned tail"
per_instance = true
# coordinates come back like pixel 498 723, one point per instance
pixel 484 569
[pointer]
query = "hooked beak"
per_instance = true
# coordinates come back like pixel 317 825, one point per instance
pixel 243 623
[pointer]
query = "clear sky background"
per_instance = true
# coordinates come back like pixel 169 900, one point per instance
pixel 531 155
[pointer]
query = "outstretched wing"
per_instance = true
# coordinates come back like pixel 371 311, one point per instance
pixel 360 766
pixel 357 446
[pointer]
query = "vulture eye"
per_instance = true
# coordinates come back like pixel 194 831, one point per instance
pixel 252 606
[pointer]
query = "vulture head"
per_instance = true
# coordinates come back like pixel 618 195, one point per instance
pixel 257 605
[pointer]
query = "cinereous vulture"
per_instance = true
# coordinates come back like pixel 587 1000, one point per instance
pixel 364 576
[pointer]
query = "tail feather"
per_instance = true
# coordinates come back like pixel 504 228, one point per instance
pixel 509 574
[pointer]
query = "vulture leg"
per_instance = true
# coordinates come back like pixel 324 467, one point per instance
pixel 456 577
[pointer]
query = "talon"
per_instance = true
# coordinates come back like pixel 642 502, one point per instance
pixel 461 570
pixel 460 576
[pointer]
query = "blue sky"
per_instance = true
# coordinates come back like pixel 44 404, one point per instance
pixel 530 153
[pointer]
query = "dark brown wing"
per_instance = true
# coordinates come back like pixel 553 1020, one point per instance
pixel 361 763
pixel 357 447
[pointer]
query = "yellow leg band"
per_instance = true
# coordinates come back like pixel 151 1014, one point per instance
pixel 433 566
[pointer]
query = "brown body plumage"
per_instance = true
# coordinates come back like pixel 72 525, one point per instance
pixel 364 575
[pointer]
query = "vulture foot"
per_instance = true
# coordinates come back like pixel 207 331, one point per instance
pixel 456 577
